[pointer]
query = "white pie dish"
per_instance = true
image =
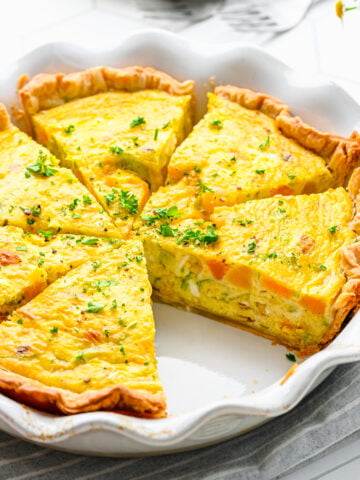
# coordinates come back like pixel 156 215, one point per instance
pixel 220 381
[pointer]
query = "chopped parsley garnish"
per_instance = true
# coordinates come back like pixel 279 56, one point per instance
pixel 46 234
pixel 125 198
pixel 113 305
pixel 73 204
pixel 40 168
pixel 217 124
pixel 87 200
pixel 99 284
pixel 90 241
pixel 197 169
pixel 129 202
pixel 198 237
pixel 36 211
pixel 156 133
pixel 116 150
pixel 40 262
pixel 80 357
pixel 21 249
pixel 69 129
pixel 320 267
pixel 132 324
pixel 204 188
pixel 166 230
pixel 54 330
pixel 166 125
pixel 106 333
pixel 265 144
pixel 260 171
pixel 20 322
pixel 110 197
pixel 122 350
pixel 333 229
pixel 137 121
pixel 292 177
pixel 291 357
pixel 244 223
pixel 166 212
pixel 251 246
pixel 30 221
pixel 94 307
pixel 96 264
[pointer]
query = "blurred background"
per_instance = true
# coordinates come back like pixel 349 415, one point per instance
pixel 305 34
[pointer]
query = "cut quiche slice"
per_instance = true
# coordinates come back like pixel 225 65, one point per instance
pixel 285 267
pixel 121 193
pixel 249 146
pixel 129 118
pixel 86 342
pixel 37 194
pixel 28 263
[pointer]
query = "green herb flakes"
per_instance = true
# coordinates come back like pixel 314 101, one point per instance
pixel 137 121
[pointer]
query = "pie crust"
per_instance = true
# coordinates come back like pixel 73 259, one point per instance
pixel 4 118
pixel 56 400
pixel 341 154
pixel 46 90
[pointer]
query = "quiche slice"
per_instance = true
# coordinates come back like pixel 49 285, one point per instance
pixel 284 267
pixel 130 118
pixel 86 342
pixel 37 194
pixel 121 193
pixel 248 146
pixel 28 263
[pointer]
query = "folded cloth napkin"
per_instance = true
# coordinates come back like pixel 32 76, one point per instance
pixel 326 418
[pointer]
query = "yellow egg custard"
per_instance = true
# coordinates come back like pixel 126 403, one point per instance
pixel 37 194
pixel 276 266
pixel 248 146
pixel 28 263
pixel 121 193
pixel 86 342
pixel 130 118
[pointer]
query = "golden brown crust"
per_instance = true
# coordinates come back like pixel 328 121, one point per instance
pixel 46 90
pixel 348 300
pixel 341 154
pixel 4 118
pixel 56 400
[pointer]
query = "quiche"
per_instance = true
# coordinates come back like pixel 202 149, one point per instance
pixel 29 263
pixel 248 146
pixel 37 194
pixel 130 118
pixel 121 193
pixel 251 219
pixel 86 342
pixel 284 267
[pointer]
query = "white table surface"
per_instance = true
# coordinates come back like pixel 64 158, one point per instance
pixel 319 44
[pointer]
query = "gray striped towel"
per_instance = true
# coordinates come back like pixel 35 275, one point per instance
pixel 326 419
